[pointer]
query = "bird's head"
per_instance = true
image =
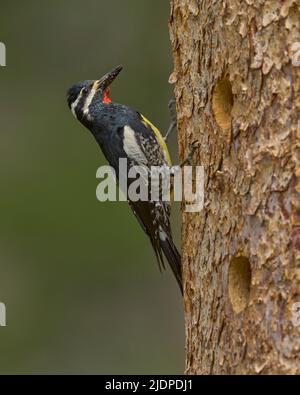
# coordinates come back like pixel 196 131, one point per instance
pixel 84 98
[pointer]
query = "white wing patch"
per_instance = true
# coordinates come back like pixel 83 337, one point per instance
pixel 132 148
pixel 162 234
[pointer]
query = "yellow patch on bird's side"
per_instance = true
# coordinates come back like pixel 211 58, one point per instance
pixel 159 139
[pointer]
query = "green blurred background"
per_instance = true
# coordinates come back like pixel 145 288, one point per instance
pixel 79 279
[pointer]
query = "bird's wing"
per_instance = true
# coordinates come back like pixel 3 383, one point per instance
pixel 144 145
pixel 159 138
pixel 140 135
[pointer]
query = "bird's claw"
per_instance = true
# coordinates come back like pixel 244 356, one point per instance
pixel 192 148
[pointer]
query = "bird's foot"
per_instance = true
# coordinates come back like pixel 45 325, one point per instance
pixel 189 159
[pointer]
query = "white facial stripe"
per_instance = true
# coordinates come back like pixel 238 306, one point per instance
pixel 131 146
pixel 89 99
pixel 74 105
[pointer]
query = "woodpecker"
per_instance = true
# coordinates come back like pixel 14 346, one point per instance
pixel 123 132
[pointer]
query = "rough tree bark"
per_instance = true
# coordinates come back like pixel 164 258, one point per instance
pixel 237 82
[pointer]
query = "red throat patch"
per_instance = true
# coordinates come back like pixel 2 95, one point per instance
pixel 106 98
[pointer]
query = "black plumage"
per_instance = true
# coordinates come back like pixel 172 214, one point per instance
pixel 122 132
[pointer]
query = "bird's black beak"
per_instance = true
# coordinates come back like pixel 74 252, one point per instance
pixel 108 78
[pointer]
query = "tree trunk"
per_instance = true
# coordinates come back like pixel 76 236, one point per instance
pixel 237 82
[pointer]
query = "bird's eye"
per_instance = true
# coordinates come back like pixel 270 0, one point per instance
pixel 85 90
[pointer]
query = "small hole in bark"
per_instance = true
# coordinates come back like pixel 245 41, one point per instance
pixel 239 280
pixel 222 103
